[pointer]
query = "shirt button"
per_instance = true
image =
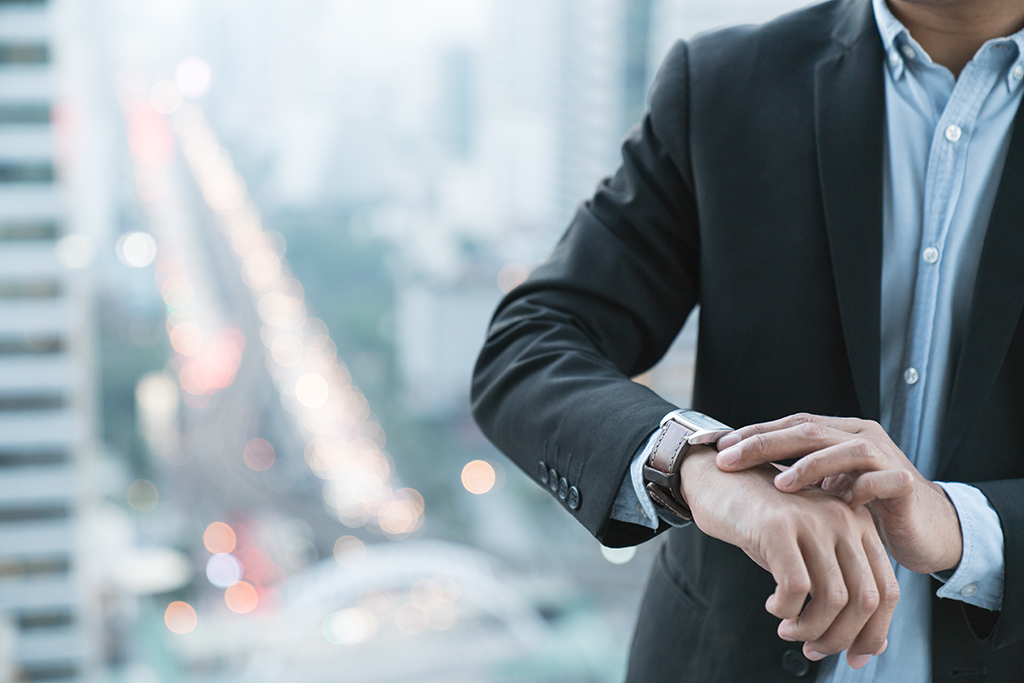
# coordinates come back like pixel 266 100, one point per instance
pixel 1018 72
pixel 911 376
pixel 640 511
pixel 909 52
pixel 552 480
pixel 930 255
pixel 969 590
pixel 953 133
pixel 542 472
pixel 894 60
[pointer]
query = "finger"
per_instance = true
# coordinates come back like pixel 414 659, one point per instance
pixel 829 596
pixel 873 637
pixel 847 424
pixel 792 581
pixel 792 442
pixel 852 456
pixel 879 486
pixel 863 601
pixel 838 485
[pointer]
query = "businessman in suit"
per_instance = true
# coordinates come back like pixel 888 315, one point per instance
pixel 842 192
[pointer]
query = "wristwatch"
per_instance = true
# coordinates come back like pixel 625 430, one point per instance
pixel 680 429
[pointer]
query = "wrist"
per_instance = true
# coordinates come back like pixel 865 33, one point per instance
pixel 954 545
pixel 698 462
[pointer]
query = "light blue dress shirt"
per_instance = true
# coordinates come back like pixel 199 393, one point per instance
pixel 946 145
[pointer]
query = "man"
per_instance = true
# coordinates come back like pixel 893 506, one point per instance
pixel 842 191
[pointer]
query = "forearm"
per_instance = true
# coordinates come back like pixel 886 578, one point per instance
pixel 543 394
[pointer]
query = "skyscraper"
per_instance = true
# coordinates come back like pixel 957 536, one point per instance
pixel 45 371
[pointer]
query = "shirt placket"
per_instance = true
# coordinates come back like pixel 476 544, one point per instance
pixel 943 182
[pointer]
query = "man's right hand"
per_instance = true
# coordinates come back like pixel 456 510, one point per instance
pixel 813 544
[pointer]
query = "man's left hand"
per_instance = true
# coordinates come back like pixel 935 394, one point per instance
pixel 857 460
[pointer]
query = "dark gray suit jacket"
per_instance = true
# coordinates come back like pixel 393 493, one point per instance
pixel 753 187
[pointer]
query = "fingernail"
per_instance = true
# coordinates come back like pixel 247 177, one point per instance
pixel 785 479
pixel 860 661
pixel 815 656
pixel 847 497
pixel 885 644
pixel 730 439
pixel 729 456
pixel 788 639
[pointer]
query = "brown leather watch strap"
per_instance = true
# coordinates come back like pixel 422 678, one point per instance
pixel 661 471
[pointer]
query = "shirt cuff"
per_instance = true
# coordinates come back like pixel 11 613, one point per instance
pixel 632 504
pixel 978 579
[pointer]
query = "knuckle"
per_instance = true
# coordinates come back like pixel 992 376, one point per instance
pixel 862 448
pixel 868 600
pixel 831 645
pixel 810 430
pixel 801 418
pixel 795 585
pixel 837 597
pixel 891 593
pixel 759 443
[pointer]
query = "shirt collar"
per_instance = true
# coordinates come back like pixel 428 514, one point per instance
pixel 898 43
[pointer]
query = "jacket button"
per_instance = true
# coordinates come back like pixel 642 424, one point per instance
pixel 574 498
pixel 794 662
pixel 552 480
pixel 542 472
pixel 563 488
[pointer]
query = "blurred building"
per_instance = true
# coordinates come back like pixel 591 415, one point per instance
pixel 45 374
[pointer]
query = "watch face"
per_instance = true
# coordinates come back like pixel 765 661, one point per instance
pixel 701 422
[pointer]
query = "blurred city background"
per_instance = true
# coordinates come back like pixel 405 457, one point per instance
pixel 248 252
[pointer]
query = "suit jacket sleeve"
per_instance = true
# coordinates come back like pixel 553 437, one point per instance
pixel 552 383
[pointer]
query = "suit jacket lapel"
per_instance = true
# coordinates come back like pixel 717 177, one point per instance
pixel 849 101
pixel 996 304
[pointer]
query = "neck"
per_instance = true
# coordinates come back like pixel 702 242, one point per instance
pixel 951 31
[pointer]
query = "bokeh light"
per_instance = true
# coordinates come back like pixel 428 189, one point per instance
pixel 157 396
pixel 311 390
pixel 349 626
pixel 224 569
pixel 219 538
pixel 75 251
pixel 618 555
pixel 186 338
pixel 136 249
pixel 143 495
pixel 180 617
pixel 411 619
pixel 165 96
pixel 241 597
pixel 287 350
pixel 511 276
pixel 176 291
pixel 349 551
pixel 193 77
pixel 259 455
pixel 478 477
pixel 444 617
pixel 427 593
